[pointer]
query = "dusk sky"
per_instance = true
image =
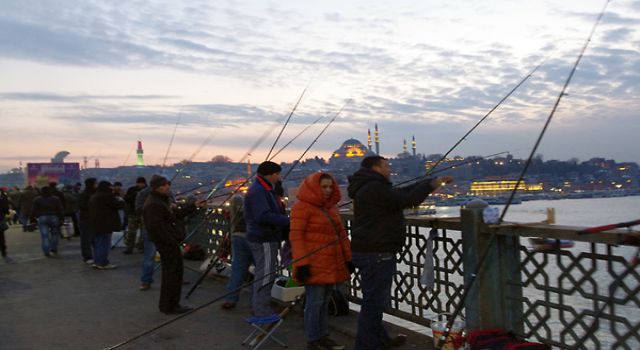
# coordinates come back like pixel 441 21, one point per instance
pixel 93 77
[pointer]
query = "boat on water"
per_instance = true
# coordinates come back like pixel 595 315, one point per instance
pixel 463 200
pixel 550 245
pixel 427 207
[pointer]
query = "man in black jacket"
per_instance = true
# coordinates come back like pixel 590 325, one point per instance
pixel 378 235
pixel 104 219
pixel 161 221
pixel 134 220
pixel 86 236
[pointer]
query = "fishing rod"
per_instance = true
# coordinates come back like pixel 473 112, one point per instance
pixel 287 121
pixel 171 141
pixel 599 229
pixel 295 137
pixel 246 284
pixel 317 137
pixel 485 253
pixel 464 137
pixel 193 155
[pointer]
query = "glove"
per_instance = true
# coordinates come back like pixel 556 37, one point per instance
pixel 350 267
pixel 303 273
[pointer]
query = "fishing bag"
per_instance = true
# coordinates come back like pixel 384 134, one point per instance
pixel 338 303
pixel 500 339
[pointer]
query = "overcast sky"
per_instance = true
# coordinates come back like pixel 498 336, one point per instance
pixel 92 77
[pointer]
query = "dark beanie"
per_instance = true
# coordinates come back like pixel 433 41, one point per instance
pixel 104 185
pixel 90 182
pixel 268 168
pixel 141 180
pixel 157 181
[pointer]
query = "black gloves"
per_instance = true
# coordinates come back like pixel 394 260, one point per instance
pixel 303 273
pixel 350 267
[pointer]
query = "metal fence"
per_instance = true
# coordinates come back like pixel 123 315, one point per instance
pixel 551 297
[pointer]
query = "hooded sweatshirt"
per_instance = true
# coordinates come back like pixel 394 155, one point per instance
pixel 379 225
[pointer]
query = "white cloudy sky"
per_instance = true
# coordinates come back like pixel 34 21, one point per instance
pixel 92 77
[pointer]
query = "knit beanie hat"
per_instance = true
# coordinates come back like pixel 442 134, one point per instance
pixel 267 168
pixel 157 181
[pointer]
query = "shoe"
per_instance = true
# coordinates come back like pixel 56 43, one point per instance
pixel 7 259
pixel 178 310
pixel 105 267
pixel 127 252
pixel 228 305
pixel 397 341
pixel 94 266
pixel 328 343
pixel 48 255
pixel 145 286
pixel 53 253
pixel 89 261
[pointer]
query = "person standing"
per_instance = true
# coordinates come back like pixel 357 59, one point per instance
pixel 104 220
pixel 241 257
pixel 265 220
pixel 161 221
pixel 26 204
pixel 4 225
pixel 134 220
pixel 71 208
pixel 321 253
pixel 378 235
pixel 48 209
pixel 148 248
pixel 86 235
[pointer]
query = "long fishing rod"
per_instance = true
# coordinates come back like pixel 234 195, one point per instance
pixel 464 137
pixel 317 137
pixel 295 137
pixel 483 258
pixel 284 126
pixel 164 162
pixel 247 284
pixel 193 155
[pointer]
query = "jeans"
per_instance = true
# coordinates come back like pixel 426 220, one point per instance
pixel 172 273
pixel 101 247
pixel 134 222
pixel 148 261
pixel 316 310
pixel 49 226
pixel 86 240
pixel 376 276
pixel 241 259
pixel 266 257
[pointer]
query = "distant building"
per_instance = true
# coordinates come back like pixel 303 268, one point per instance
pixel 349 155
pixel 502 187
pixel 140 153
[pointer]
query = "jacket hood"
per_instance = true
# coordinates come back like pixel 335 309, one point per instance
pixel 362 177
pixel 311 192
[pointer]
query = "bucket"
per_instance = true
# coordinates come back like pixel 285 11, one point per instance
pixel 456 339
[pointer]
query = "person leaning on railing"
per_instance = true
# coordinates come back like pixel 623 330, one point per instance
pixel 378 235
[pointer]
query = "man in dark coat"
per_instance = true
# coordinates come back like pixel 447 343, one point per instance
pixel 378 235
pixel 160 218
pixel 104 219
pixel 86 235
pixel 134 220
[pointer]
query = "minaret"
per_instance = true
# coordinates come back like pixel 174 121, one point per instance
pixel 377 139
pixel 404 146
pixel 369 140
pixel 140 152
pixel 85 161
pixel 413 145
pixel 97 163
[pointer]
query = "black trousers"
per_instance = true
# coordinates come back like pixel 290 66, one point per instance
pixel 172 270
pixel 3 244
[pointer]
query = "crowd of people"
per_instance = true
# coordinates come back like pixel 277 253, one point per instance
pixel 316 245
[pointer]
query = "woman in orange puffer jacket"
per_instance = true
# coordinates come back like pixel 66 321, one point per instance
pixel 321 252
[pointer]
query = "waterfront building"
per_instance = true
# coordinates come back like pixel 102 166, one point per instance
pixel 502 187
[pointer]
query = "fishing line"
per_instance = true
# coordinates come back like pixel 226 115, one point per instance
pixel 485 253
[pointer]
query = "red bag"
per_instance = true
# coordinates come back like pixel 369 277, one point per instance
pixel 500 339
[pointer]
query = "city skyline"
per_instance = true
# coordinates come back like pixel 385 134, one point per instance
pixel 93 78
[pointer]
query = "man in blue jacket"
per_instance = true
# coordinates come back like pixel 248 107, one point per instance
pixel 265 219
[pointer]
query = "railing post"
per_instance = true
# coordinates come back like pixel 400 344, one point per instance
pixel 494 300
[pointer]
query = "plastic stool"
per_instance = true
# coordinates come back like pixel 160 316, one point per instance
pixel 263 329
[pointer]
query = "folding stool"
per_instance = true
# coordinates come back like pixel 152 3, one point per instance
pixel 263 330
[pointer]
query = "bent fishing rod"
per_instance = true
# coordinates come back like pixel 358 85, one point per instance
pixel 164 161
pixel 485 253
pixel 247 284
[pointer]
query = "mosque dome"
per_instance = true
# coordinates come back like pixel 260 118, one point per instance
pixel 351 149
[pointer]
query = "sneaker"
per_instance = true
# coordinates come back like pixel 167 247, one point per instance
pixel 53 253
pixel 145 286
pixel 228 305
pixel 397 341
pixel 48 255
pixel 127 251
pixel 105 267
pixel 89 261
pixel 178 310
pixel 328 343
